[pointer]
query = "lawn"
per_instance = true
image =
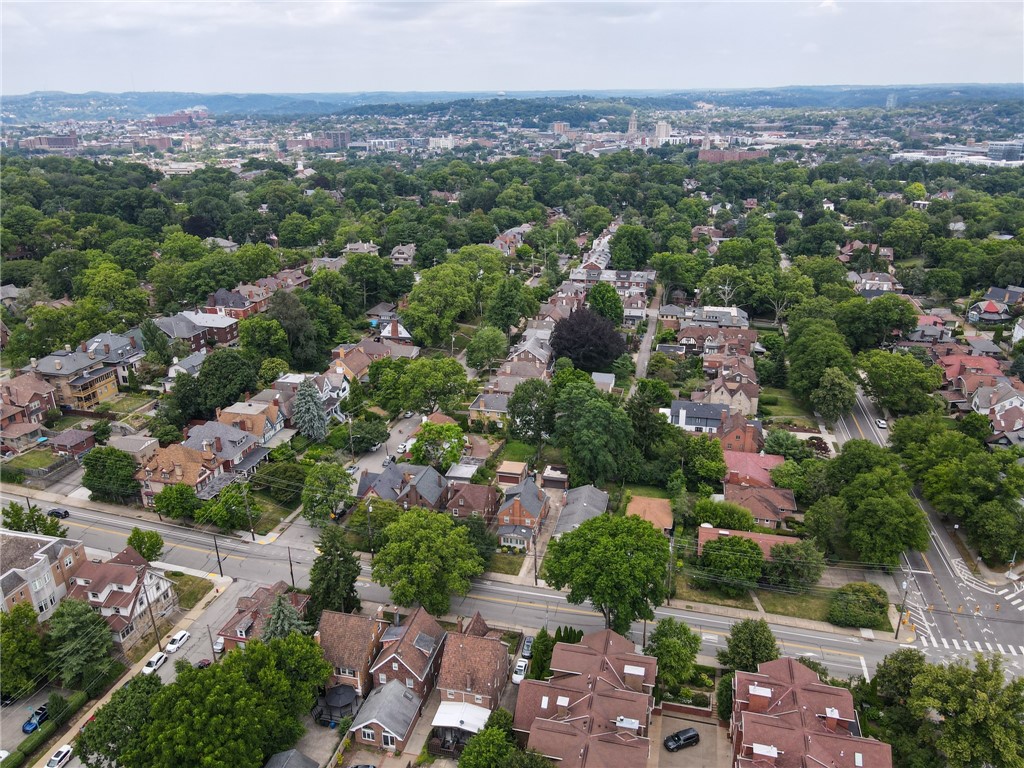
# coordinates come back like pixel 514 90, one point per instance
pixel 35 459
pixel 517 451
pixel 806 606
pixel 687 592
pixel 67 422
pixel 510 564
pixel 129 403
pixel 271 512
pixel 190 589
pixel 788 407
pixel 646 490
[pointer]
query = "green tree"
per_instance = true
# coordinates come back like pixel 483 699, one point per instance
pixel 432 383
pixel 15 518
pixel 750 643
pixel 149 544
pixel 723 696
pixel 509 304
pixel 442 295
pixel 110 475
pixel 631 247
pixel 604 300
pixel 825 521
pixel 332 579
pixel 894 677
pixel 304 339
pixel 882 520
pixel 834 396
pixel 282 620
pixel 229 510
pixel 675 646
pixel 781 289
pixel 101 431
pixel 361 435
pixel 782 442
pixel 543 647
pixel 24 655
pixel 731 564
pixel 371 276
pixel 271 370
pixel 814 348
pixel 703 461
pixel 488 346
pixel 593 434
pixel 155 342
pixel 80 642
pixel 325 493
pixel 426 559
pixel 260 338
pixel 117 730
pixel 795 566
pixel 439 445
pixel 529 411
pixel 225 376
pixel 722 514
pixel 617 563
pixel 590 341
pixel 489 748
pixel 308 415
pixel 898 382
pixel 859 604
pixel 178 501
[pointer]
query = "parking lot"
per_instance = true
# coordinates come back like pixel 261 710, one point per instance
pixel 15 715
pixel 713 751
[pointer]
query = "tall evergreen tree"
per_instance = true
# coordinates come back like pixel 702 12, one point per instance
pixel 308 416
pixel 283 620
pixel 332 579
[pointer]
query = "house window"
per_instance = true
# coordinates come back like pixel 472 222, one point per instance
pixel 387 740
pixel 394 666
pixel 408 682
pixel 455 513
pixel 451 694
pixel 478 699
pixel 382 678
pixel 506 519
pixel 345 672
pixel 367 734
pixel 67 562
pixel 117 610
pixel 94 595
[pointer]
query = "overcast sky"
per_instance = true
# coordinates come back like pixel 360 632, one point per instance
pixel 335 46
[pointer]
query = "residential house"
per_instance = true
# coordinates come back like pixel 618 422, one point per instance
pixel 290 279
pixel 189 366
pixel 380 312
pixel 750 468
pixel 872 284
pixel 16 435
pixel 989 311
pixel 253 611
pixel 734 392
pixel 738 433
pixel 625 282
pixel 717 317
pixel 956 365
pixel 9 294
pixel 605 382
pixel 258 295
pixel 993 400
pixel 236 450
pixel 472 500
pixel 522 514
pixel 331 387
pixel 658 512
pixel 511 472
pixel 291 758
pixel 229 303
pixel 853 249
pixel 219 242
pixel 72 442
pixel 122 350
pixel 140 447
pixel 595 709
pixel 783 715
pixel 178 465
pixel 30 395
pixel 490 407
pixel 411 485
pixel 411 655
pixel 634 310
pixel 696 417
pixel 979 345
pixel 361 247
pixel 81 379
pixel 1007 427
pixel 581 504
pixel 387 717
pixel 1011 295
pixel 474 670
pixel 533 348
pixel 124 590
pixel 350 643
pixel 354 360
pixel 221 330
pixel 264 420
pixel 38 570
pixel 392 330
pixel 1018 331
pixel 769 506
pixel 403 255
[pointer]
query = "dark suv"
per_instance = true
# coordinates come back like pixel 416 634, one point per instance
pixel 687 737
pixel 528 648
pixel 38 718
pixel 59 512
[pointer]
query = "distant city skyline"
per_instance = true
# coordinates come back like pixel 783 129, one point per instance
pixel 301 46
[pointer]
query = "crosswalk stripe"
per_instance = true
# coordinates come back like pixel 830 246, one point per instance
pixel 1000 648
pixel 956 644
pixel 979 645
pixel 945 644
pixel 924 641
pixel 1003 591
pixel 989 646
pixel 1012 651
pixel 1014 602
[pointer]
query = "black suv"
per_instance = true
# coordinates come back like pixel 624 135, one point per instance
pixel 59 512
pixel 687 737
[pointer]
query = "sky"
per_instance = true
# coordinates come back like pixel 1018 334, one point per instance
pixel 249 46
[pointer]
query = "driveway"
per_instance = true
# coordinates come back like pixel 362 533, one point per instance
pixel 16 714
pixel 712 751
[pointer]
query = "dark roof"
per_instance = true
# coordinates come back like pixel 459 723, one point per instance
pixel 581 504
pixel 393 706
pixel 225 298
pixel 70 437
pixel 531 498
pixel 346 638
pixel 177 326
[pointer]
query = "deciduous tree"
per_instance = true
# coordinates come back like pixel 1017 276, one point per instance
pixel 325 493
pixel 149 544
pixel 731 564
pixel 24 656
pixel 834 396
pixel 438 445
pixel 488 346
pixel 15 518
pixel 675 646
pixel 80 642
pixel 110 475
pixel 604 300
pixel 796 566
pixel 117 730
pixel 177 501
pixel 750 643
pixel 589 340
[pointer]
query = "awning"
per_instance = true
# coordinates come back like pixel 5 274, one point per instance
pixel 466 717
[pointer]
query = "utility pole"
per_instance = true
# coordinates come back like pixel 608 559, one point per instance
pixel 369 529
pixel 248 511
pixel 152 620
pixel 535 558
pixel 217 550
pixel 291 569
pixel 209 634
pixel 903 608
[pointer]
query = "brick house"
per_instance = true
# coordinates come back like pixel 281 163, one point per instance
pixel 261 419
pixel 738 433
pixel 411 655
pixel 176 465
pixel 387 717
pixel 30 395
pixel 253 611
pixel 230 303
pixel 769 506
pixel 72 442
pixel 750 468
pixel 219 329
pixel 474 670
pixel 706 532
pixel 180 327
pixel 522 514
pixel 38 570
pixel 473 500
pixel 350 643
pixel 123 590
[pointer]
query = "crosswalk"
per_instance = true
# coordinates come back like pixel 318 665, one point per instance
pixel 1015 598
pixel 969 646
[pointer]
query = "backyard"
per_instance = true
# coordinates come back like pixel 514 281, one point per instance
pixel 786 408
pixel 129 403
pixel 38 458
pixel 189 589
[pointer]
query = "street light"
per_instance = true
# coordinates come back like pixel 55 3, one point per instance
pixel 903 607
pixel 369 528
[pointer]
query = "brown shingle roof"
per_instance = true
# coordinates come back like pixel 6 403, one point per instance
pixel 192 464
pixel 255 609
pixel 420 641
pixel 473 664
pixel 347 638
pixel 763 503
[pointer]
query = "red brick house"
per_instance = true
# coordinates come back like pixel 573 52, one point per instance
pixel 769 506
pixel 350 643
pixel 411 654
pixel 29 394
pixel 750 468
pixel 738 433
pixel 253 611
pixel 473 500
pixel 474 670
pixel 72 442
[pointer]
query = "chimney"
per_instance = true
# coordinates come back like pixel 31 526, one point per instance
pixel 217 445
pixel 210 298
pixel 247 397
pixel 84 346
pixel 174 360
pixel 67 347
pixel 562 702
pixel 458 625
pixel 316 637
pixel 106 349
pixel 633 677
pixel 34 362
pixel 206 446
pixel 92 354
pixel 57 364
pixel 217 411
pixel 831 719
pixel 184 434
pixel 759 698
pixel 177 470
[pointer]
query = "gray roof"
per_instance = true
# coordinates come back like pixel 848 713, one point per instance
pixel 699 414
pixel 390 483
pixel 192 363
pixel 581 504
pixel 234 441
pixel 291 758
pixel 495 402
pixel 983 346
pixel 530 497
pixel 393 706
pixel 177 326
pixel 21 551
pixel 225 298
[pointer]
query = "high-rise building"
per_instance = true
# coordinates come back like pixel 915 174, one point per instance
pixel 560 127
pixel 1006 150
pixel 662 131
pixel 633 129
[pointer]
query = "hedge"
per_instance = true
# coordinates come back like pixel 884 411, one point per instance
pixel 15 759
pixel 860 604
pixel 36 739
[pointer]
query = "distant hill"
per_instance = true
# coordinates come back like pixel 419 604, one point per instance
pixel 49 106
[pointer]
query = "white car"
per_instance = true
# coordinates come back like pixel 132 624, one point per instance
pixel 61 757
pixel 158 660
pixel 179 639
pixel 519 674
pixel 881 423
pixel 218 645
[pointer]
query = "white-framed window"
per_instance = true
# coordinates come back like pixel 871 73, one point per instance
pixel 394 666
pixel 345 672
pixel 367 734
pixel 478 699
pixel 451 694
pixel 409 682
pixel 67 561
pixel 382 678
pixel 387 740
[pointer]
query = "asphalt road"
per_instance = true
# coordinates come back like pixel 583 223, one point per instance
pixel 953 613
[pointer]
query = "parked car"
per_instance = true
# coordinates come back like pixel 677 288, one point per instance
pixel 36 719
pixel 61 757
pixel 158 660
pixel 353 470
pixel 687 737
pixel 528 648
pixel 59 512
pixel 179 639
pixel 519 673
pixel 881 423
pixel 3 754
pixel 218 645
pixel 203 663
pixel 6 699
pixel 408 415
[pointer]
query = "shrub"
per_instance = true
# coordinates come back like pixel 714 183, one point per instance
pixel 768 400
pixel 58 708
pixel 15 759
pixel 35 740
pixel 99 685
pixel 700 700
pixel 859 604
pixel 723 697
pixel 12 476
